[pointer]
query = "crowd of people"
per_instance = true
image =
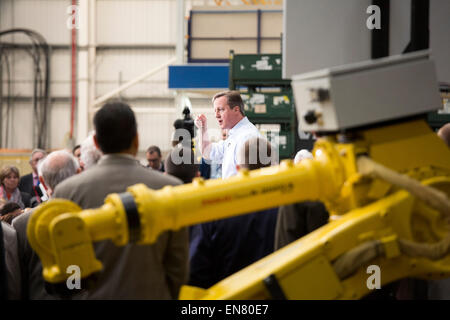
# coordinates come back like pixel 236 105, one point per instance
pixel 104 163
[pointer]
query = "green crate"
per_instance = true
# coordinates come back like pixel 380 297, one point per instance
pixel 255 70
pixel 269 105
pixel 437 120
pixel 282 134
pixel 256 66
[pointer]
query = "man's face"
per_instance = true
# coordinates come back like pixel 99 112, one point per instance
pixel 154 160
pixel 226 117
pixel 35 159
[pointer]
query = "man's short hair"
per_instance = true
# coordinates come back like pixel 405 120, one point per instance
pixel 57 166
pixel 115 127
pixel 153 149
pixel 234 99
pixel 256 153
pixel 36 151
pixel 9 211
pixel 9 207
pixel 180 163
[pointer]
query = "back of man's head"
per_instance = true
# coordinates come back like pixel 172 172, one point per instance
pixel 115 127
pixel 444 133
pixel 180 163
pixel 90 154
pixel 256 153
pixel 56 167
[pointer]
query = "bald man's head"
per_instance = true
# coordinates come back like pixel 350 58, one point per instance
pixel 444 133
pixel 56 167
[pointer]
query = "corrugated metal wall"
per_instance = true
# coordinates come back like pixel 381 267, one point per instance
pixel 116 66
pixel 132 37
pixel 48 17
pixel 136 22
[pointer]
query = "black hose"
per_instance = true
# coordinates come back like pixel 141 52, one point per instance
pixel 41 91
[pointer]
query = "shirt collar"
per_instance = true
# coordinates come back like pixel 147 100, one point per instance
pixel 107 157
pixel 244 121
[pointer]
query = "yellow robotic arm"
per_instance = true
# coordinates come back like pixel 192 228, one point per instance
pixel 375 220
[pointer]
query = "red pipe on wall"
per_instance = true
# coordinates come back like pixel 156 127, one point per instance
pixel 74 66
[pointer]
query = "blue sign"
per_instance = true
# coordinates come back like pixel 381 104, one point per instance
pixel 199 76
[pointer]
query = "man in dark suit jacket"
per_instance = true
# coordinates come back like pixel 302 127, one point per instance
pixel 154 271
pixel 222 247
pixel 58 166
pixel 28 183
pixel 10 280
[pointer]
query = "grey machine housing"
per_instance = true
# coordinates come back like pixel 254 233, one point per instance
pixel 366 93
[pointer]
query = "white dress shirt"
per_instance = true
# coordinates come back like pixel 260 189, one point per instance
pixel 225 151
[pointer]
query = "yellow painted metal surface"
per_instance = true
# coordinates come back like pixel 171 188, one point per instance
pixel 365 210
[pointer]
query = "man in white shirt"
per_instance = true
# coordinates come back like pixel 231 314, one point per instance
pixel 229 110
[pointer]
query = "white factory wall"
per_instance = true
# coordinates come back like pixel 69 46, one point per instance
pixel 19 127
pixel 48 17
pixel 115 67
pixel 22 74
pixel 132 37
pixel 136 22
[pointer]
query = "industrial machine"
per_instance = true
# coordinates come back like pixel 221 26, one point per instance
pixel 381 171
